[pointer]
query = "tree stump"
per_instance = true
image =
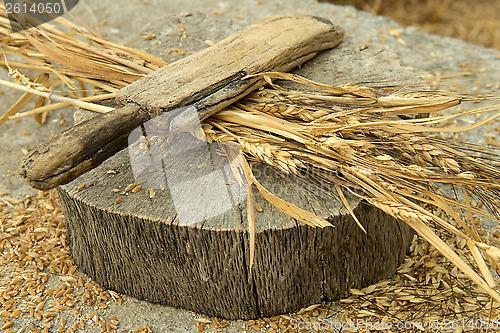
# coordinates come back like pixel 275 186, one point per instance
pixel 140 246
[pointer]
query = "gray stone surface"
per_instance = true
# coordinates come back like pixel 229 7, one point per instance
pixel 120 21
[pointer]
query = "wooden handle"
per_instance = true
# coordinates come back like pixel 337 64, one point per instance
pixel 210 80
pixel 80 148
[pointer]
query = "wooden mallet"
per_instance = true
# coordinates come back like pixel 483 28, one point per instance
pixel 210 80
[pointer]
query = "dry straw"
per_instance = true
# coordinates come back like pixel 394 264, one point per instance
pixel 374 145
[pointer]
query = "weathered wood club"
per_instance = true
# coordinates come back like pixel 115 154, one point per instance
pixel 210 80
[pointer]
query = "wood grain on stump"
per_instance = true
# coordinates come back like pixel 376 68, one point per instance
pixel 137 247
pixel 140 247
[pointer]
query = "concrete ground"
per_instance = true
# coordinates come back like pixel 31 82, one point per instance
pixel 120 21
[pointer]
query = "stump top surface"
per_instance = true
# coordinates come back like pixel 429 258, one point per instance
pixel 102 187
pixel 343 64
